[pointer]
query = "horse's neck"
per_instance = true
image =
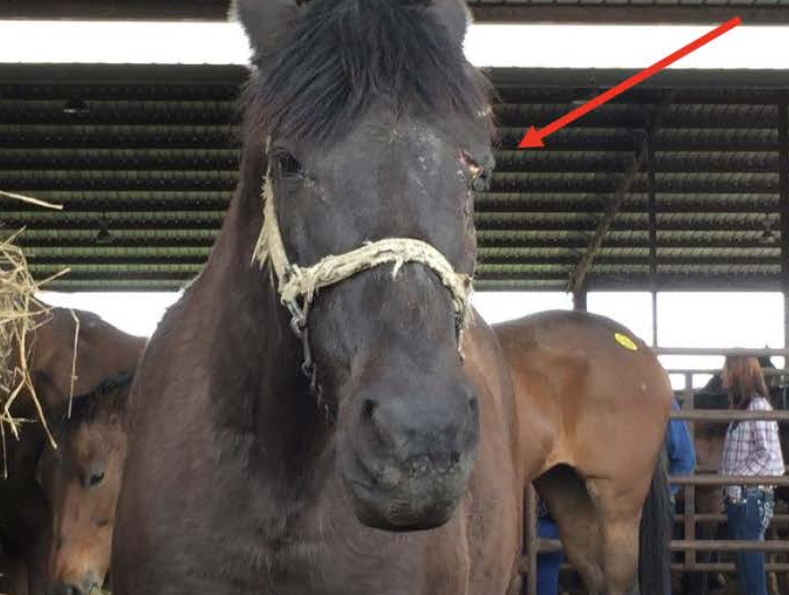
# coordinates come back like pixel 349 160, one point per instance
pixel 101 351
pixel 104 351
pixel 258 388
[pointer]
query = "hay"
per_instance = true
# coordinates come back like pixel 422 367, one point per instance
pixel 20 314
pixel 30 200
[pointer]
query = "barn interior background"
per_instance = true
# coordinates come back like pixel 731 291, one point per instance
pixel 679 185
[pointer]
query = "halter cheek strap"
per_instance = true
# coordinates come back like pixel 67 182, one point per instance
pixel 298 286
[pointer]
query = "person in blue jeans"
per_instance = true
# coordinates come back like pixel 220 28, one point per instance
pixel 681 457
pixel 751 447
pixel 548 563
pixel 748 518
pixel 680 450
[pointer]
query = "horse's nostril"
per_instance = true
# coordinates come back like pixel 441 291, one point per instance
pixel 368 409
pixel 71 590
pixel 454 457
pixel 473 403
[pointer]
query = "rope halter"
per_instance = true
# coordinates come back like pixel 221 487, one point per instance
pixel 297 286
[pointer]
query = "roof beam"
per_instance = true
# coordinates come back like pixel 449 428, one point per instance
pixel 578 274
pixel 516 262
pixel 783 173
pixel 488 283
pixel 211 220
pixel 523 12
pixel 635 282
pixel 74 285
pixel 116 10
pixel 652 212
pixel 63 239
pixel 217 10
pixel 519 261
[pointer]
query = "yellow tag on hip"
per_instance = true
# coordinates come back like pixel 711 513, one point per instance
pixel 625 342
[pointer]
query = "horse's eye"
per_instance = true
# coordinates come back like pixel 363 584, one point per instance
pixel 95 479
pixel 478 175
pixel 473 168
pixel 286 164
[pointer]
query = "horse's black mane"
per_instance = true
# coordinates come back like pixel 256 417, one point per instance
pixel 344 55
pixel 84 408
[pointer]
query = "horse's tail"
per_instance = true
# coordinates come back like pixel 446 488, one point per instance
pixel 654 560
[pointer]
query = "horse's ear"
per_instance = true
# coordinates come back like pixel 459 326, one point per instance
pixel 454 15
pixel 265 21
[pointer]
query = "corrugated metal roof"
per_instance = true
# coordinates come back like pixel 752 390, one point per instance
pixel 153 160
pixel 631 11
pixel 628 11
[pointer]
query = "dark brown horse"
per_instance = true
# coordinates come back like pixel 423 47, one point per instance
pixel 102 351
pixel 605 399
pixel 81 481
pixel 240 477
pixel 246 475
pixel 708 438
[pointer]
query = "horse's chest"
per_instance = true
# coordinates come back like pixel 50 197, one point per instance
pixel 364 561
pixel 315 570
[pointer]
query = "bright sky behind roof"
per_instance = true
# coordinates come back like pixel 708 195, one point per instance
pixel 493 45
pixel 685 319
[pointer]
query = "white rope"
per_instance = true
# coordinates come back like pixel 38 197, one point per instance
pixel 296 282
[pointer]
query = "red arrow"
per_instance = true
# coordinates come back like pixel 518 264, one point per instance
pixel 534 138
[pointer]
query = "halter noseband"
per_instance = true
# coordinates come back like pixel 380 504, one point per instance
pixel 297 286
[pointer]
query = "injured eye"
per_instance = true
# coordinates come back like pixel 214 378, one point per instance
pixel 473 168
pixel 477 174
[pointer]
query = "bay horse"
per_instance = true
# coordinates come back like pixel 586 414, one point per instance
pixel 319 414
pixel 605 397
pixel 102 351
pixel 81 481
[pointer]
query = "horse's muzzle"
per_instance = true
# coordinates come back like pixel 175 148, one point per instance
pixel 406 467
pixel 424 495
pixel 88 587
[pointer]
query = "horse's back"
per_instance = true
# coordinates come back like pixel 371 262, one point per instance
pixel 595 383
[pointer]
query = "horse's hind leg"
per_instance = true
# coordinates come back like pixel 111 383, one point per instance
pixel 619 520
pixel 576 517
pixel 620 552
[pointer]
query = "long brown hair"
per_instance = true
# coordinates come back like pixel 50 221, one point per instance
pixel 742 376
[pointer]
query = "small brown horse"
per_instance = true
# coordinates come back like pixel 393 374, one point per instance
pixel 81 481
pixel 276 430
pixel 102 351
pixel 708 438
pixel 605 399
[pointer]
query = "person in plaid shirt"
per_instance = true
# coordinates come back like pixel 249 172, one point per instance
pixel 751 448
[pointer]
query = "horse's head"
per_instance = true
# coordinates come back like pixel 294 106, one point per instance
pixel 81 481
pixel 377 129
pixel 102 350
